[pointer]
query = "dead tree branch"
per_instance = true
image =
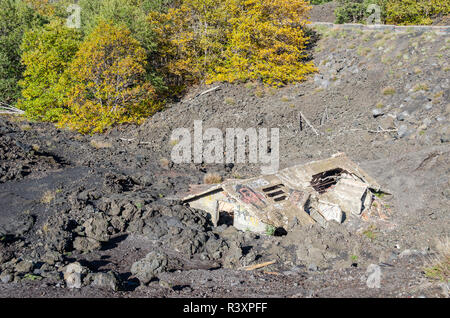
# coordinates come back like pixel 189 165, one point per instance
pixel 207 91
pixel 256 266
pixel 308 123
pixel 7 109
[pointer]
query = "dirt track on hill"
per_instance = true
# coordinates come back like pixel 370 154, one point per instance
pixel 323 12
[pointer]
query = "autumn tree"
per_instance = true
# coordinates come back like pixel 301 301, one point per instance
pixel 106 81
pixel 131 14
pixel 47 51
pixel 190 38
pixel 233 40
pixel 267 42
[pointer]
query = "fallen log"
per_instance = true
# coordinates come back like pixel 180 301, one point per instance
pixel 257 266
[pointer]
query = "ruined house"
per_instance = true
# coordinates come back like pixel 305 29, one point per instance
pixel 319 191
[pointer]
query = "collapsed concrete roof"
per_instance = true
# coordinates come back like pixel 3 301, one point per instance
pixel 319 191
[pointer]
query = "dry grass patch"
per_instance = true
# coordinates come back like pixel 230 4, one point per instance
pixel 259 93
pixel 229 101
pixel 164 163
pixel 438 94
pixel 212 178
pixel 439 266
pixel 379 105
pixel 318 89
pixel 48 196
pixel 363 51
pixel 99 144
pixel 421 87
pixel 173 142
pixel 250 85
pixel 25 127
pixel 389 90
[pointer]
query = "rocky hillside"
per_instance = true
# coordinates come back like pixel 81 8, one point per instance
pixel 103 204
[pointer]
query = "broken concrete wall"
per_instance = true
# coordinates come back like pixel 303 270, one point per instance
pixel 208 202
pixel 300 176
pixel 319 191
pixel 268 200
pixel 351 195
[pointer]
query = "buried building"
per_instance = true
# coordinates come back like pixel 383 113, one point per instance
pixel 319 191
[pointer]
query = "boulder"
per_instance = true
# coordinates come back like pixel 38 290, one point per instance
pixel 149 267
pixel 5 255
pixel 23 267
pixel 107 280
pixel 73 275
pixel 86 244
pixel 97 227
pixel 51 257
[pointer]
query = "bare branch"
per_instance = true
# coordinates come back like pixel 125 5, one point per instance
pixel 309 124
pixel 7 109
pixel 207 91
pixel 256 266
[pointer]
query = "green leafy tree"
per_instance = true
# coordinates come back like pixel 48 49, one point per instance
pixel 105 83
pixel 131 14
pixel 15 18
pixel 47 51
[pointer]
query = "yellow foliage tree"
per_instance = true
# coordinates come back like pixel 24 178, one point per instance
pixel 190 38
pixel 106 82
pixel 233 40
pixel 43 7
pixel 267 42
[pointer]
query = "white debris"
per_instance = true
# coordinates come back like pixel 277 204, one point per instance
pixel 330 212
pixel 72 275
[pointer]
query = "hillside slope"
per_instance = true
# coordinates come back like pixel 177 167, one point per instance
pixel 380 97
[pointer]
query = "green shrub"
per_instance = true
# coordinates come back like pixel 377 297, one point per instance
pixel 47 51
pixel 320 1
pixel 438 267
pixel 105 83
pixel 353 11
pixel 407 12
pixel 15 19
pixel 400 12
pixel 270 230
